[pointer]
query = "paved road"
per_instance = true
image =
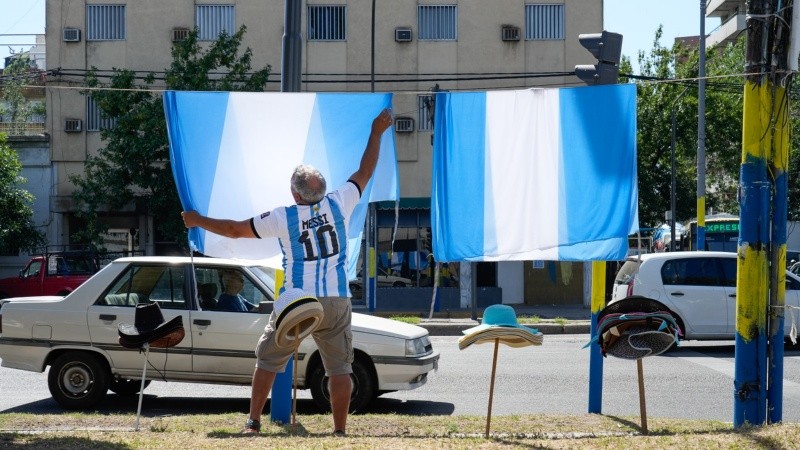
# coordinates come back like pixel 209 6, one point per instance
pixel 694 382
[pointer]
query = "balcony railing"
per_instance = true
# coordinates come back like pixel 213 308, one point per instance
pixel 22 128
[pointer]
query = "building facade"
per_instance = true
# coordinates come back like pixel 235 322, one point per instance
pixel 420 46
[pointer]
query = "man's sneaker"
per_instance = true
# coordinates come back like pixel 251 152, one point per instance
pixel 339 433
pixel 251 427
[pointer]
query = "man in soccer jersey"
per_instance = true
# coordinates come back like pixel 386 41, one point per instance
pixel 313 236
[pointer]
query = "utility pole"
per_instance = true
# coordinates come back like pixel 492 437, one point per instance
pixel 701 135
pixel 760 283
pixel 281 399
pixel 607 48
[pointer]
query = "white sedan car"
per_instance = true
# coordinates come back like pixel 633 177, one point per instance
pixel 77 335
pixel 698 288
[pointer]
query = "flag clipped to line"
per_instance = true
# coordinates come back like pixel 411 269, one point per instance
pixel 233 154
pixel 536 174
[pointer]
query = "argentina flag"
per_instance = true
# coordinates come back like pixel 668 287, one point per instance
pixel 537 174
pixel 233 154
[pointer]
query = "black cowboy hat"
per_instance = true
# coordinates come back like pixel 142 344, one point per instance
pixel 150 328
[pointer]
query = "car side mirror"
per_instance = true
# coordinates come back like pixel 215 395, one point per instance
pixel 265 307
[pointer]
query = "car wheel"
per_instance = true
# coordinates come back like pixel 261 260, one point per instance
pixel 364 386
pixel 398 284
pixel 122 386
pixel 78 380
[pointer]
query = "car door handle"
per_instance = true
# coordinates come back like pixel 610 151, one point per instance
pixel 677 294
pixel 732 295
pixel 110 317
pixel 201 322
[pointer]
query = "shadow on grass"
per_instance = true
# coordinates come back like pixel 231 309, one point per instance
pixel 9 440
pixel 156 406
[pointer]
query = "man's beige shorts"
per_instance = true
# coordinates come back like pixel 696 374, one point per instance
pixel 333 337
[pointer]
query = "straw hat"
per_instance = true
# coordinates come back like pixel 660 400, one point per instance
pixel 500 322
pixel 297 314
pixel 149 328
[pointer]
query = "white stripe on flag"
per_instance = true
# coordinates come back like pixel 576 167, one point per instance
pixel 522 162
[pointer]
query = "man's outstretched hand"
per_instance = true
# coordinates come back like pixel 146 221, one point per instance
pixel 382 122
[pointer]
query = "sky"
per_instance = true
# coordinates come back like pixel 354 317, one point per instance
pixel 636 20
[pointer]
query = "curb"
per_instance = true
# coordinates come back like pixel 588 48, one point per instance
pixel 455 329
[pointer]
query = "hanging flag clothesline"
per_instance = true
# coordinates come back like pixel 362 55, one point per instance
pixel 233 153
pixel 536 174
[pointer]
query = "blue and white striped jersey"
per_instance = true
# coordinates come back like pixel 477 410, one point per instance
pixel 313 239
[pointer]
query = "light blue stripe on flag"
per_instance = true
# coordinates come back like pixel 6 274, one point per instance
pixel 599 202
pixel 457 206
pixel 195 134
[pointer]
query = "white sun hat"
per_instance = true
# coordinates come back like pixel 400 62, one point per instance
pixel 297 315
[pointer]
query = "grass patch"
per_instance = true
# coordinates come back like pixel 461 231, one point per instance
pixel 529 319
pixel 589 431
pixel 561 321
pixel 413 320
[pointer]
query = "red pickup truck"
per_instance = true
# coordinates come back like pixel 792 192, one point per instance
pixel 50 274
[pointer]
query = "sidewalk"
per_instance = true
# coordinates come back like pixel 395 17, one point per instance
pixel 578 318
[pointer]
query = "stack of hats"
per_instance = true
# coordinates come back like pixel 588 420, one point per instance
pixel 297 315
pixel 149 328
pixel 635 327
pixel 500 322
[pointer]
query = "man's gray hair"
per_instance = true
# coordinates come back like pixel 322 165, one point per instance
pixel 309 183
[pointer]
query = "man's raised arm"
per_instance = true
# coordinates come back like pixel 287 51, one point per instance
pixel 370 158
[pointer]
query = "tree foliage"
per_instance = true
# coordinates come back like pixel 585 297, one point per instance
pixel 16 108
pixel 658 100
pixel 133 170
pixel 17 230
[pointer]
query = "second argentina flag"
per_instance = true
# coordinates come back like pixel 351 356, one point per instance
pixel 537 174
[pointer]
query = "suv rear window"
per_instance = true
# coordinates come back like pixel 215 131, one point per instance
pixel 627 272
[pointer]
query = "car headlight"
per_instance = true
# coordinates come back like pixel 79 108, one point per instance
pixel 419 346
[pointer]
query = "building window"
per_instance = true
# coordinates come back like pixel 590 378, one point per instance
pixel 105 22
pixel 543 22
pixel 327 23
pixel 94 119
pixel 438 22
pixel 212 20
pixel 425 106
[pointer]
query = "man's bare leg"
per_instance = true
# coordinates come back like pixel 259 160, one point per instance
pixel 340 388
pixel 262 383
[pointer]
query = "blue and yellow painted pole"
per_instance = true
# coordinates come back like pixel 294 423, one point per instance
pixel 752 283
pixel 700 243
pixel 595 357
pixel 777 300
pixel 280 403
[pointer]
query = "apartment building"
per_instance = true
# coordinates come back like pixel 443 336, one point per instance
pixel 419 46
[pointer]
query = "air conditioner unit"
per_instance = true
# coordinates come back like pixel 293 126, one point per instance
pixel 73 125
pixel 509 33
pixel 179 34
pixel 402 34
pixel 71 35
pixel 404 124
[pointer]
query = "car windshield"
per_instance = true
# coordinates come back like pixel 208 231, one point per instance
pixel 627 271
pixel 266 275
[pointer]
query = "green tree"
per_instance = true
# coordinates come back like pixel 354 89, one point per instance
pixel 658 100
pixel 134 168
pixel 17 231
pixel 16 108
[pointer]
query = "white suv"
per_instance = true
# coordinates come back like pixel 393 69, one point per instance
pixel 699 288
